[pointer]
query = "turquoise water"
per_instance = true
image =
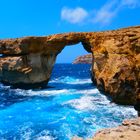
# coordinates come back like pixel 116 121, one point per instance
pixel 70 106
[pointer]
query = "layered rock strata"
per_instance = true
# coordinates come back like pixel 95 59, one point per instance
pixel 115 65
pixel 84 59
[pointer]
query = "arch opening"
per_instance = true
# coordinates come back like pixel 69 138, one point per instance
pixel 71 52
pixel 67 74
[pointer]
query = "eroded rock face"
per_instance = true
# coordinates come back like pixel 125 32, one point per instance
pixel 115 65
pixel 129 130
pixel 116 68
pixel 29 61
pixel 84 59
pixel 27 69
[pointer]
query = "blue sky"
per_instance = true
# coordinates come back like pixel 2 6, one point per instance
pixel 20 18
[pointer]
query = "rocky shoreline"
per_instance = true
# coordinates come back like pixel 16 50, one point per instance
pixel 129 130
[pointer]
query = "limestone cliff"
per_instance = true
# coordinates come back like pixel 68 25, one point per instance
pixel 84 59
pixel 115 66
pixel 116 69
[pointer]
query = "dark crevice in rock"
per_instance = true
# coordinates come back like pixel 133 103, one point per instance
pixel 13 55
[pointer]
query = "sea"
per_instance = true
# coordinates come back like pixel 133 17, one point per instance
pixel 69 106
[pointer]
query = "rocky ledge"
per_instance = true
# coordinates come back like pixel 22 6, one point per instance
pixel 84 59
pixel 115 65
pixel 129 130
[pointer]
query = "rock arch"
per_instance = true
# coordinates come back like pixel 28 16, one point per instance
pixel 30 60
pixel 116 55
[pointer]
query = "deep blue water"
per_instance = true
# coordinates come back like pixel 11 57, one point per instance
pixel 72 106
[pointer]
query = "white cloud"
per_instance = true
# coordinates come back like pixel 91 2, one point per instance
pixel 108 11
pixel 102 16
pixel 130 3
pixel 74 16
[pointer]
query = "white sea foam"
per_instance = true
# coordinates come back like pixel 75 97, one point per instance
pixel 59 91
pixel 25 131
pixel 89 91
pixel 80 81
pixel 44 135
pixel 84 103
pixel 66 79
pixel 47 92
pixel 41 92
pixel 71 80
pixel 62 90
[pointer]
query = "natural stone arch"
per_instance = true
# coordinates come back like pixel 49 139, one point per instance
pixel 30 60
pixel 116 56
